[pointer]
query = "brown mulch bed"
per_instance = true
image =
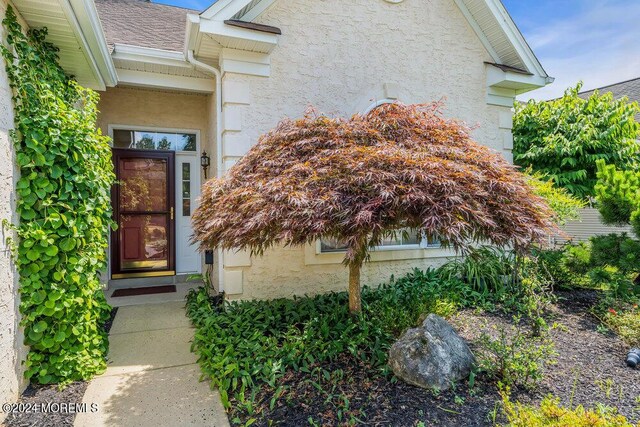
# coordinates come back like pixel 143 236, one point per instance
pixel 590 366
pixel 362 399
pixel 36 395
pixel 31 414
pixel 590 370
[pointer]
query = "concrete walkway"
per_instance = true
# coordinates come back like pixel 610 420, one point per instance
pixel 152 377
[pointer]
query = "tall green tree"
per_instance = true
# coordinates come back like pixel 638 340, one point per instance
pixel 564 138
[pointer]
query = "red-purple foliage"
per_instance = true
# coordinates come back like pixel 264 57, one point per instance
pixel 355 180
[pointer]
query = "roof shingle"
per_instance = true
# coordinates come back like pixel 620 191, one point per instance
pixel 143 23
pixel 629 88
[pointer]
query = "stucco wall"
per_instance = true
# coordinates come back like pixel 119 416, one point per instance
pixel 338 56
pixel 285 272
pixel 341 57
pixel 12 351
pixel 155 108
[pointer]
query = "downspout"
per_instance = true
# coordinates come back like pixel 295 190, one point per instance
pixel 208 69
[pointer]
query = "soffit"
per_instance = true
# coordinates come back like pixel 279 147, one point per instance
pixel 75 58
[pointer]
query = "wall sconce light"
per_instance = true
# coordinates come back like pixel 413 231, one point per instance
pixel 205 161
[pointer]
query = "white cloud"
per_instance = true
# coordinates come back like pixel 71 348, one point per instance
pixel 600 46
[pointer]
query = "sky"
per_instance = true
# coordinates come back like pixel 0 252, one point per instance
pixel 596 41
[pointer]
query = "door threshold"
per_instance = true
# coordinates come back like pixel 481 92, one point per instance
pixel 142 274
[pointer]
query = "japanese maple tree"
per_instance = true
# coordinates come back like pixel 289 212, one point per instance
pixel 359 179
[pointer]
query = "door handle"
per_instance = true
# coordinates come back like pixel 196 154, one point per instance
pixel 171 214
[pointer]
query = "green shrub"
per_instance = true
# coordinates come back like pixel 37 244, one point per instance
pixel 554 263
pixel 485 269
pixel 64 208
pixel 531 294
pixel 607 262
pixel 551 414
pixel 497 279
pixel 617 195
pixel 578 257
pixel 513 356
pixel 616 250
pixel 616 284
pixel 243 345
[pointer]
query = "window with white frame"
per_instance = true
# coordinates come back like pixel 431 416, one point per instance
pixel 152 140
pixel 401 240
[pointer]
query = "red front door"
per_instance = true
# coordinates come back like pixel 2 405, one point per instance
pixel 143 208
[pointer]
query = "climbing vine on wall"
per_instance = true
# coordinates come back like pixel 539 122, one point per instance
pixel 64 209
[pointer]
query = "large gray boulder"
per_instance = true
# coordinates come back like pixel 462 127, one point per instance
pixel 432 356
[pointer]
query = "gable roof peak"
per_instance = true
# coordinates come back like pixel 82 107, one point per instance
pixel 489 19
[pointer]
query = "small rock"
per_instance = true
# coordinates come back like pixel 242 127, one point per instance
pixel 433 356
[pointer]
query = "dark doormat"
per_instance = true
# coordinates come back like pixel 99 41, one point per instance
pixel 144 291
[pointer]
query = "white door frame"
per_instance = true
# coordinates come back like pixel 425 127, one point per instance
pixel 195 184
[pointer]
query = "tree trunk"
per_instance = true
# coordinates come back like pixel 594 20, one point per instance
pixel 355 303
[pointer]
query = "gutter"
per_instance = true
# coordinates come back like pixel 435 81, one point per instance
pixel 83 16
pixel 201 66
pixel 208 69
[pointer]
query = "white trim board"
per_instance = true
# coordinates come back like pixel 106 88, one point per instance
pixel 125 52
pixel 224 9
pixel 87 15
pixel 165 81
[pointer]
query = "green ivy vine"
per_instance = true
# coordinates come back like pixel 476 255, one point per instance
pixel 64 209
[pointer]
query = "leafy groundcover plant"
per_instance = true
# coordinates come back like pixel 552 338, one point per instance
pixel 623 317
pixel 248 347
pixel 64 210
pixel 245 345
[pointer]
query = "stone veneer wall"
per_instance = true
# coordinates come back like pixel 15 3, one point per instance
pixel 12 351
pixel 342 57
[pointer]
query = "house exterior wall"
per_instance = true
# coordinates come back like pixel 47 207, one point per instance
pixel 588 225
pixel 12 351
pixel 155 109
pixel 342 57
